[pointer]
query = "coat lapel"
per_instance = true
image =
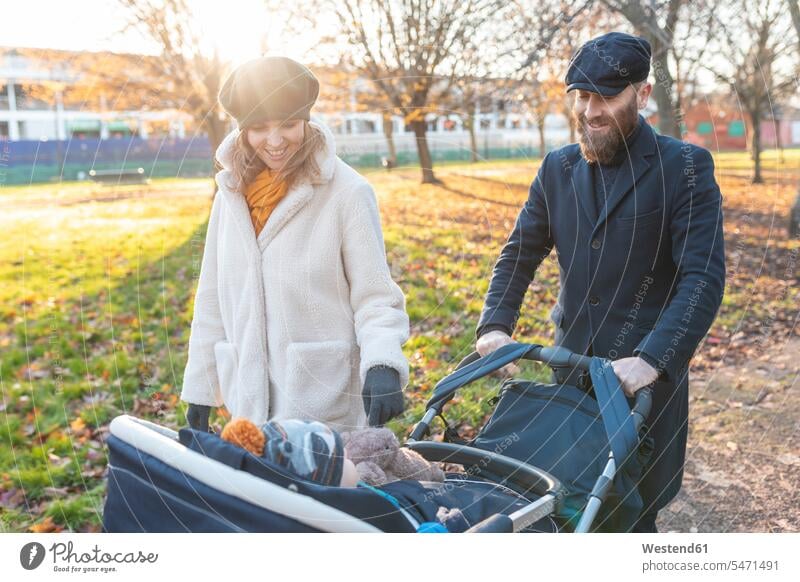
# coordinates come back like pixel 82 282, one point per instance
pixel 298 196
pixel 239 211
pixel 582 184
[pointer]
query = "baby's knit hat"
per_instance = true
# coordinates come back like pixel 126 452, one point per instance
pixel 309 449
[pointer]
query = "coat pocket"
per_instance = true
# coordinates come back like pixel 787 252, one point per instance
pixel 647 219
pixel 227 370
pixel 318 380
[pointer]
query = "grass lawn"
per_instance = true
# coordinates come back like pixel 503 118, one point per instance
pixel 97 288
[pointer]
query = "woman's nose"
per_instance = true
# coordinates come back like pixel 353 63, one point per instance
pixel 274 139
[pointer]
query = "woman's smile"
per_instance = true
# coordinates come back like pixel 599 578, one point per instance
pixel 278 154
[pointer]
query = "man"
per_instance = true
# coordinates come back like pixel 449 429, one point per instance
pixel 636 221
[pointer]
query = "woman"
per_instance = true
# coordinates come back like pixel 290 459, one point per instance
pixel 296 314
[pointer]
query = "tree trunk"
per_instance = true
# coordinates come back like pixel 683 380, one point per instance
pixel 419 128
pixel 663 89
pixel 566 111
pixel 794 10
pixel 573 138
pixel 542 144
pixel 473 140
pixel 215 128
pixel 388 131
pixel 755 146
pixel 216 131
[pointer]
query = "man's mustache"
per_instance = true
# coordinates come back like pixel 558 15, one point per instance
pixel 583 123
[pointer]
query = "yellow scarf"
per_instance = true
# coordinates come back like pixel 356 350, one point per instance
pixel 262 196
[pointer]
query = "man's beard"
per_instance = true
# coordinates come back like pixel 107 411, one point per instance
pixel 603 148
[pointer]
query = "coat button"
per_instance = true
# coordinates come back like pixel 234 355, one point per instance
pixel 596 244
pixel 593 300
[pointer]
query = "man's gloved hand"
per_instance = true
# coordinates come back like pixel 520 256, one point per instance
pixel 492 341
pixel 382 394
pixel 634 373
pixel 197 416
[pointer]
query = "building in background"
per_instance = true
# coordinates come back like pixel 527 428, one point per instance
pixel 45 96
pixel 717 123
pixel 64 113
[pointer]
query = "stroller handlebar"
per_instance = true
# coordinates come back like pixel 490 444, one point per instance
pixel 474 367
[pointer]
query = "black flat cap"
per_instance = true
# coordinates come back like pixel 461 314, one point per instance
pixel 609 63
pixel 269 88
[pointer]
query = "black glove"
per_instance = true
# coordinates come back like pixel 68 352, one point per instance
pixel 382 394
pixel 197 415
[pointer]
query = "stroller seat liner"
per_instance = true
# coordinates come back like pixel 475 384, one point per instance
pixel 476 498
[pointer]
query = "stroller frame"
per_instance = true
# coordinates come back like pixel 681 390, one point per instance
pixel 522 475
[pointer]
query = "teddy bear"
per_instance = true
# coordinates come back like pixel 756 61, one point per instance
pixel 380 459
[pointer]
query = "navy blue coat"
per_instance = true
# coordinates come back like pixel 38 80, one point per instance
pixel 646 277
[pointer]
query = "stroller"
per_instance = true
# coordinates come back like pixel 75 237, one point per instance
pixel 546 461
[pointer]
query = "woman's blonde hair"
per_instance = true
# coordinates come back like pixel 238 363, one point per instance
pixel 247 164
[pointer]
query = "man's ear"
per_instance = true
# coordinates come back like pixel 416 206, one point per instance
pixel 643 94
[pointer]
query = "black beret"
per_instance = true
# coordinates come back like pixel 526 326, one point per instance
pixel 609 63
pixel 269 88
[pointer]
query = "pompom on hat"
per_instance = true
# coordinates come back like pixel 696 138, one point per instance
pixel 269 88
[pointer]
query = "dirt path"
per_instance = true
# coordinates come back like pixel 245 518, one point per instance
pixel 742 471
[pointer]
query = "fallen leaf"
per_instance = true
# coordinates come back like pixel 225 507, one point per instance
pixel 12 498
pixel 46 526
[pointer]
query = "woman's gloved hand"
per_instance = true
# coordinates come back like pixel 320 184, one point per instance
pixel 382 394
pixel 197 415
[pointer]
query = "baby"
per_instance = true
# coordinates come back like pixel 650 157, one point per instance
pixel 309 449
pixel 316 452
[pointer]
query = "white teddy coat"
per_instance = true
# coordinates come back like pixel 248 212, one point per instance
pixel 286 325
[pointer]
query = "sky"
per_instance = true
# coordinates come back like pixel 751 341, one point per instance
pixel 94 25
pixel 242 29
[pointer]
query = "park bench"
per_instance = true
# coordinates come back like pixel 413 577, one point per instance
pixel 119 176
